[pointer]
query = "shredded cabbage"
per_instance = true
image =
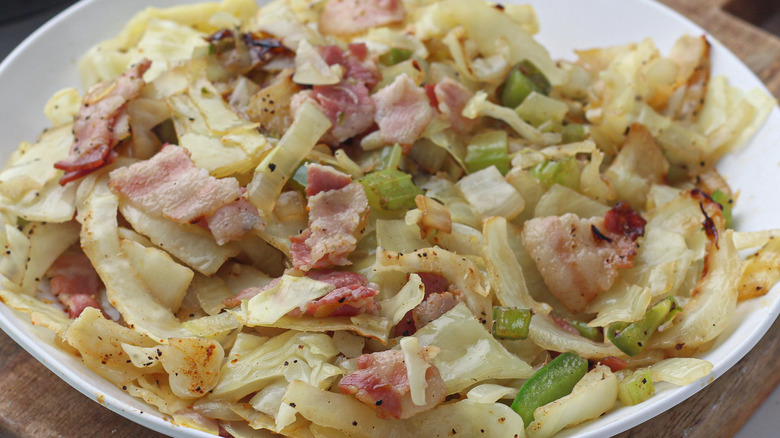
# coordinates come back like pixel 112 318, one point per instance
pixel 591 397
pixel 624 137
pixel 464 344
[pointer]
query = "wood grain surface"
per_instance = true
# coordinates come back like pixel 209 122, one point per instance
pixel 36 403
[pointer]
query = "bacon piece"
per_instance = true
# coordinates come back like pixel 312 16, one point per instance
pixel 434 283
pixel 336 220
pixel 102 122
pixel 338 278
pixel 230 222
pixel 430 91
pixel 347 104
pixel 169 184
pixel 357 65
pixel 579 258
pixel 614 363
pixel 434 306
pixel 349 108
pixel 75 283
pixel 348 17
pixel 565 325
pixel 402 111
pixel 73 175
pixel 622 219
pixel 438 301
pixel 451 98
pixel 324 179
pixel 381 381
pixel 353 295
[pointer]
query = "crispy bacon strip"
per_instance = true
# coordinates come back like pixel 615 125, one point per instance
pixel 356 62
pixel 381 381
pixel 451 97
pixel 353 295
pixel 403 111
pixel 325 178
pixel 169 184
pixel 579 258
pixel 336 220
pixel 232 221
pixel 347 104
pixel 101 123
pixel 439 299
pixel 75 283
pixel 348 17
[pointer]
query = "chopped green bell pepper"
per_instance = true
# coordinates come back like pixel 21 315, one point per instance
pixel 390 190
pixel 488 149
pixel 635 387
pixel 395 55
pixel 551 382
pixel 726 202
pixel 511 322
pixel 631 337
pixel 565 172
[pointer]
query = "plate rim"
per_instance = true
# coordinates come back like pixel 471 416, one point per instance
pixel 39 349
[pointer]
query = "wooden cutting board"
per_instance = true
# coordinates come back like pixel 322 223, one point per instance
pixel 36 403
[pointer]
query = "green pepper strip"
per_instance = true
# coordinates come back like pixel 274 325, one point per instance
pixel 592 333
pixel 511 322
pixel 726 202
pixel 572 132
pixel 516 88
pixel 565 172
pixel 390 189
pixel 394 56
pixel 535 75
pixel 636 387
pixel 551 382
pixel 488 151
pixel 631 337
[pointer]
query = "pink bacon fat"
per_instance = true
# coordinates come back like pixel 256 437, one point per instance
pixel 353 295
pixel 349 17
pixel 337 214
pixel 101 123
pixel 381 381
pixel 579 258
pixel 75 283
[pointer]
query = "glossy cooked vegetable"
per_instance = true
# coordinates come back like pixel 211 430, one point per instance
pixel 553 381
pixel 631 338
pixel 305 220
pixel 511 323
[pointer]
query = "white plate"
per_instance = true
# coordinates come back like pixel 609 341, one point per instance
pixel 46 62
